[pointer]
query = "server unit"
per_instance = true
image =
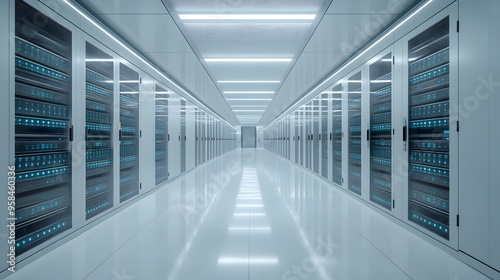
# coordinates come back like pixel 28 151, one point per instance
pixel 98 131
pixel 43 130
pixel 324 134
pixel 380 134
pixel 161 134
pixel 428 128
pixel 129 133
pixel 354 113
pixel 337 134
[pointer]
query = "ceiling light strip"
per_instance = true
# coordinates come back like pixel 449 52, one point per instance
pixel 249 92
pixel 142 59
pixel 248 82
pixel 350 62
pixel 248 59
pixel 247 16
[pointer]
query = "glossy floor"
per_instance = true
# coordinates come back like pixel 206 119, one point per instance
pixel 247 215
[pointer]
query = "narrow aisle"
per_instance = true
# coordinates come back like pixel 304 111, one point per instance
pixel 247 215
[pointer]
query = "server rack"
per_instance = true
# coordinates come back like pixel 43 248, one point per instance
pixel 316 136
pixel 297 137
pixel 381 131
pixel 129 133
pixel 429 129
pixel 337 134
pixel 161 135
pixel 43 131
pixel 98 131
pixel 354 113
pixel 196 136
pixel 182 136
pixel 302 135
pixel 307 121
pixel 324 135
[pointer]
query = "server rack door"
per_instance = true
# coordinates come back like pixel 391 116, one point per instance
pixel 301 136
pixel 337 134
pixel 173 137
pixel 129 133
pixel 99 84
pixel 308 133
pixel 324 135
pixel 182 136
pixel 204 136
pixel 380 133
pixel 296 139
pixel 196 136
pixel 354 160
pixel 6 86
pixel 161 135
pixel 43 96
pixel 431 143
pixel 189 140
pixel 316 134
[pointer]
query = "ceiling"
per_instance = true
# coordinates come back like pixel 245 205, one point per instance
pixel 275 57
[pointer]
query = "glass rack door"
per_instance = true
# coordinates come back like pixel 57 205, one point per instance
pixel 161 134
pixel 129 133
pixel 98 133
pixel 354 103
pixel 429 128
pixel 337 134
pixel 381 131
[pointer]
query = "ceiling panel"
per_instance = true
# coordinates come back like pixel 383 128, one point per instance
pixel 282 6
pixel 374 7
pixel 149 33
pixel 124 6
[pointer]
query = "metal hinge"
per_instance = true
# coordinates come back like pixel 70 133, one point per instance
pixel 458 220
pixel 458 26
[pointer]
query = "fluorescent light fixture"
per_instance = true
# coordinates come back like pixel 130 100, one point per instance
pixel 249 110
pixel 250 228
pixel 249 106
pixel 246 260
pixel 248 59
pixel 380 81
pixel 99 60
pixel 134 53
pixel 129 81
pixel 247 16
pixel 249 214
pixel 129 92
pixel 331 92
pixel 247 99
pixel 249 92
pixel 248 82
pixel 351 61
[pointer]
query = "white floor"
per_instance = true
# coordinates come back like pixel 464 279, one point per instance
pixel 247 215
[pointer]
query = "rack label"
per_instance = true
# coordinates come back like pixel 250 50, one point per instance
pixel 11 217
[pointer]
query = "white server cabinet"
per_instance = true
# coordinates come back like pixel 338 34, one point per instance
pixel 147 134
pixel 479 101
pixel 293 142
pixel 356 144
pixel 430 75
pixel 338 143
pixel 316 136
pixel 174 134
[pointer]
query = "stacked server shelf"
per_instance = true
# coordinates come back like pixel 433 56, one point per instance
pixel 324 135
pixel 161 131
pixel 354 102
pixel 337 134
pixel 315 134
pixel 129 133
pixel 428 90
pixel 42 128
pixel 98 134
pixel 381 131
